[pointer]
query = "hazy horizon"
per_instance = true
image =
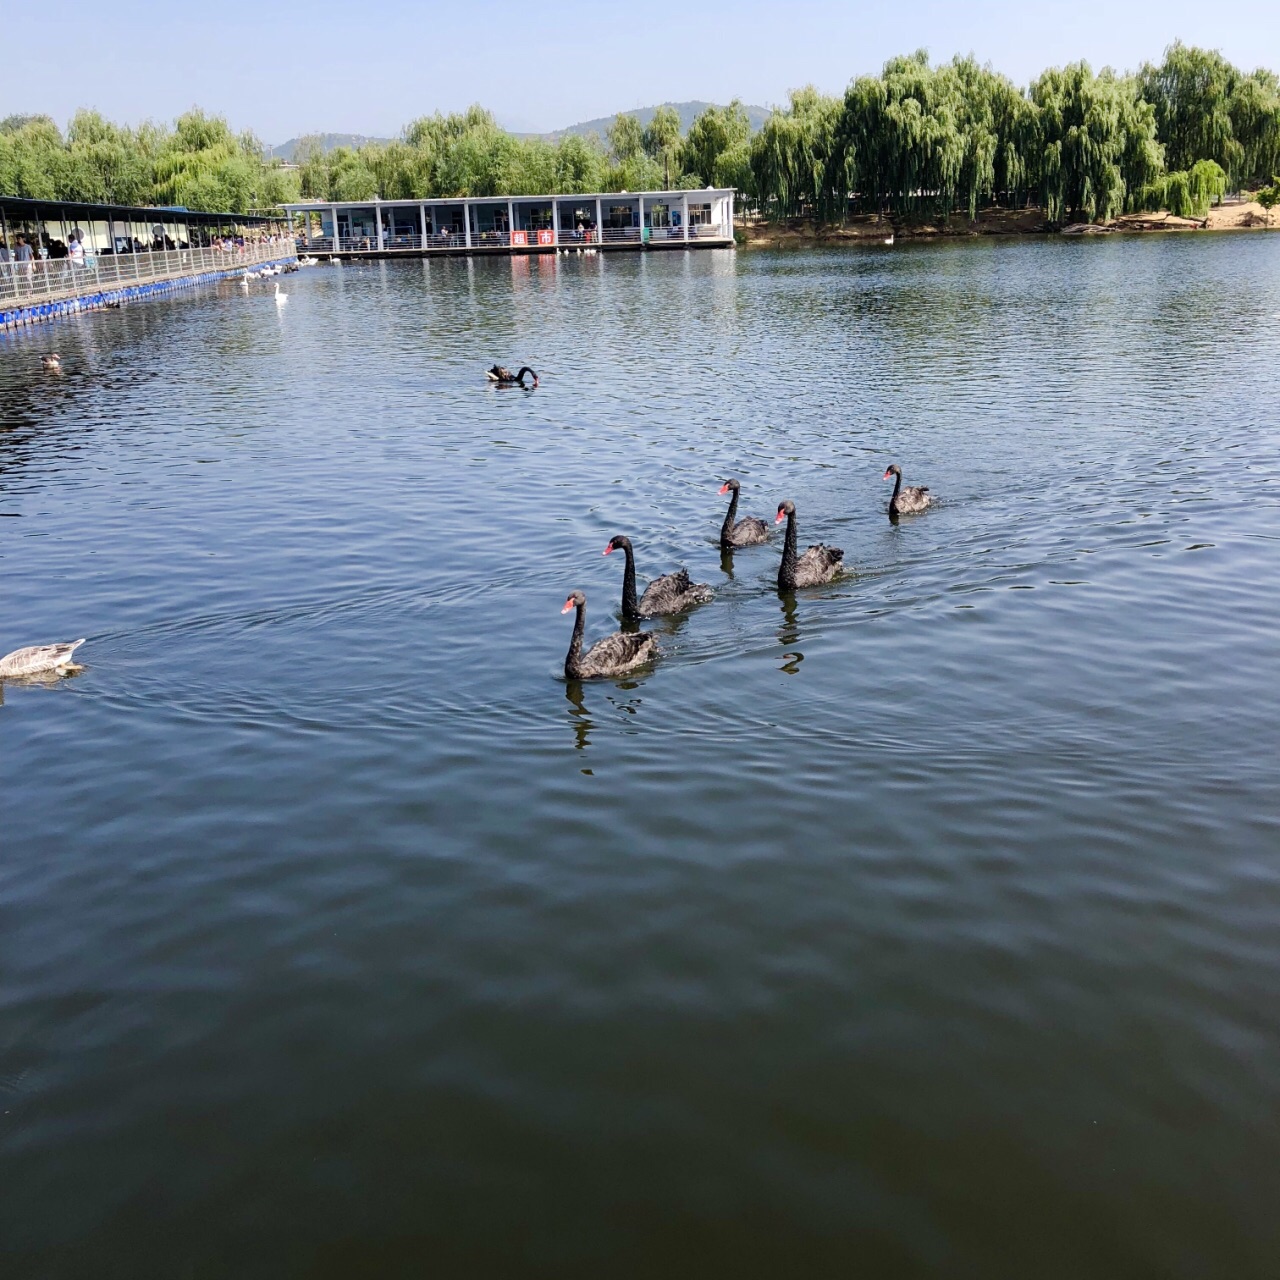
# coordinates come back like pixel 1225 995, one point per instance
pixel 331 77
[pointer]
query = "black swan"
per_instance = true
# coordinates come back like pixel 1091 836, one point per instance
pixel 671 593
pixel 818 564
pixel 505 378
pixel 613 656
pixel 747 532
pixel 908 501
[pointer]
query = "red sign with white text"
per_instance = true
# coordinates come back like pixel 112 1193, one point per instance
pixel 520 237
pixel 546 237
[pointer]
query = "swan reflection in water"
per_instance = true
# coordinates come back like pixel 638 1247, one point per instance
pixel 789 633
pixel 580 717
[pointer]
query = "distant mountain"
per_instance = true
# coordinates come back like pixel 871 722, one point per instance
pixel 286 151
pixel 689 111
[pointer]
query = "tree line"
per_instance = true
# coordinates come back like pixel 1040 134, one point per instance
pixel 917 140
pixel 937 140
pixel 198 163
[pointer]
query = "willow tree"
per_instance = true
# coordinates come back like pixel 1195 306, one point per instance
pixel 1191 92
pixel 798 159
pixel 1098 145
pixel 718 142
pixel 661 139
pixel 33 159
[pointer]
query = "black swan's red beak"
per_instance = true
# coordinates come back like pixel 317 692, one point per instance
pixel 607 549
pixel 724 488
pixel 781 516
pixel 568 604
pixel 886 475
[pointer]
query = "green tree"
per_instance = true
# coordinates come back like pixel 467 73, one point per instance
pixel 662 140
pixel 1191 93
pixel 716 133
pixel 626 139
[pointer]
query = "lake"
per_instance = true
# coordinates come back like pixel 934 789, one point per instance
pixel 919 925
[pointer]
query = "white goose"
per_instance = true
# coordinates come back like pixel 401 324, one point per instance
pixel 37 659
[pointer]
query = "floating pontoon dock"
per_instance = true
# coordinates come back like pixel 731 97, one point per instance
pixel 518 224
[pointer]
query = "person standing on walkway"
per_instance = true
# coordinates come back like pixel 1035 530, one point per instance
pixel 22 257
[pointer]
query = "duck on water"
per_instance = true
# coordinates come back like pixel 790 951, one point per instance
pixel 819 563
pixel 747 532
pixel 505 378
pixel 615 655
pixel 671 593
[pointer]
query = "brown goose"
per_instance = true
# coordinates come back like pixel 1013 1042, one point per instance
pixel 613 656
pixel 747 532
pixel 909 501
pixel 671 593
pixel 819 563
pixel 38 659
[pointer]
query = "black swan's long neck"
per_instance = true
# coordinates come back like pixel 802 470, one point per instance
pixel 573 660
pixel 630 606
pixel 787 570
pixel 524 369
pixel 897 484
pixel 727 528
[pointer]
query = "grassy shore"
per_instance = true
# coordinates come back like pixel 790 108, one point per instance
pixel 871 229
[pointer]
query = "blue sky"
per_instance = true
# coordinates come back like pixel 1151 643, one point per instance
pixel 370 68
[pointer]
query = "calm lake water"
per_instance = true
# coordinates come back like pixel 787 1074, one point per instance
pixel 924 925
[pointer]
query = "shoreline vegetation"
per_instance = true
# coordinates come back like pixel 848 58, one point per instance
pixel 926 145
pixel 756 232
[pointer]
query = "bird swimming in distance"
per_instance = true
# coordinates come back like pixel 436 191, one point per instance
pixel 505 378
pixel 909 501
pixel 819 563
pixel 747 532
pixel 38 659
pixel 51 362
pixel 613 656
pixel 671 593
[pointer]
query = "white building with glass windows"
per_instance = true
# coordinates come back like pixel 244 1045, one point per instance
pixel 517 224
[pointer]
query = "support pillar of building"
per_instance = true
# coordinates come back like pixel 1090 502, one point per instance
pixel 422 223
pixel 555 221
pixel 333 213
pixel 511 219
pixel 642 219
pixel 466 223
pixel 377 213
pixel 599 222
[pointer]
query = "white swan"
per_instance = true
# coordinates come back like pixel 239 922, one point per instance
pixel 37 659
pixel 281 298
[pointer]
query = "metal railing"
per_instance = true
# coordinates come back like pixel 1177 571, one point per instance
pixel 52 279
pixel 448 240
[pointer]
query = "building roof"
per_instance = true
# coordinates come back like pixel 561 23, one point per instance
pixel 303 205
pixel 85 209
